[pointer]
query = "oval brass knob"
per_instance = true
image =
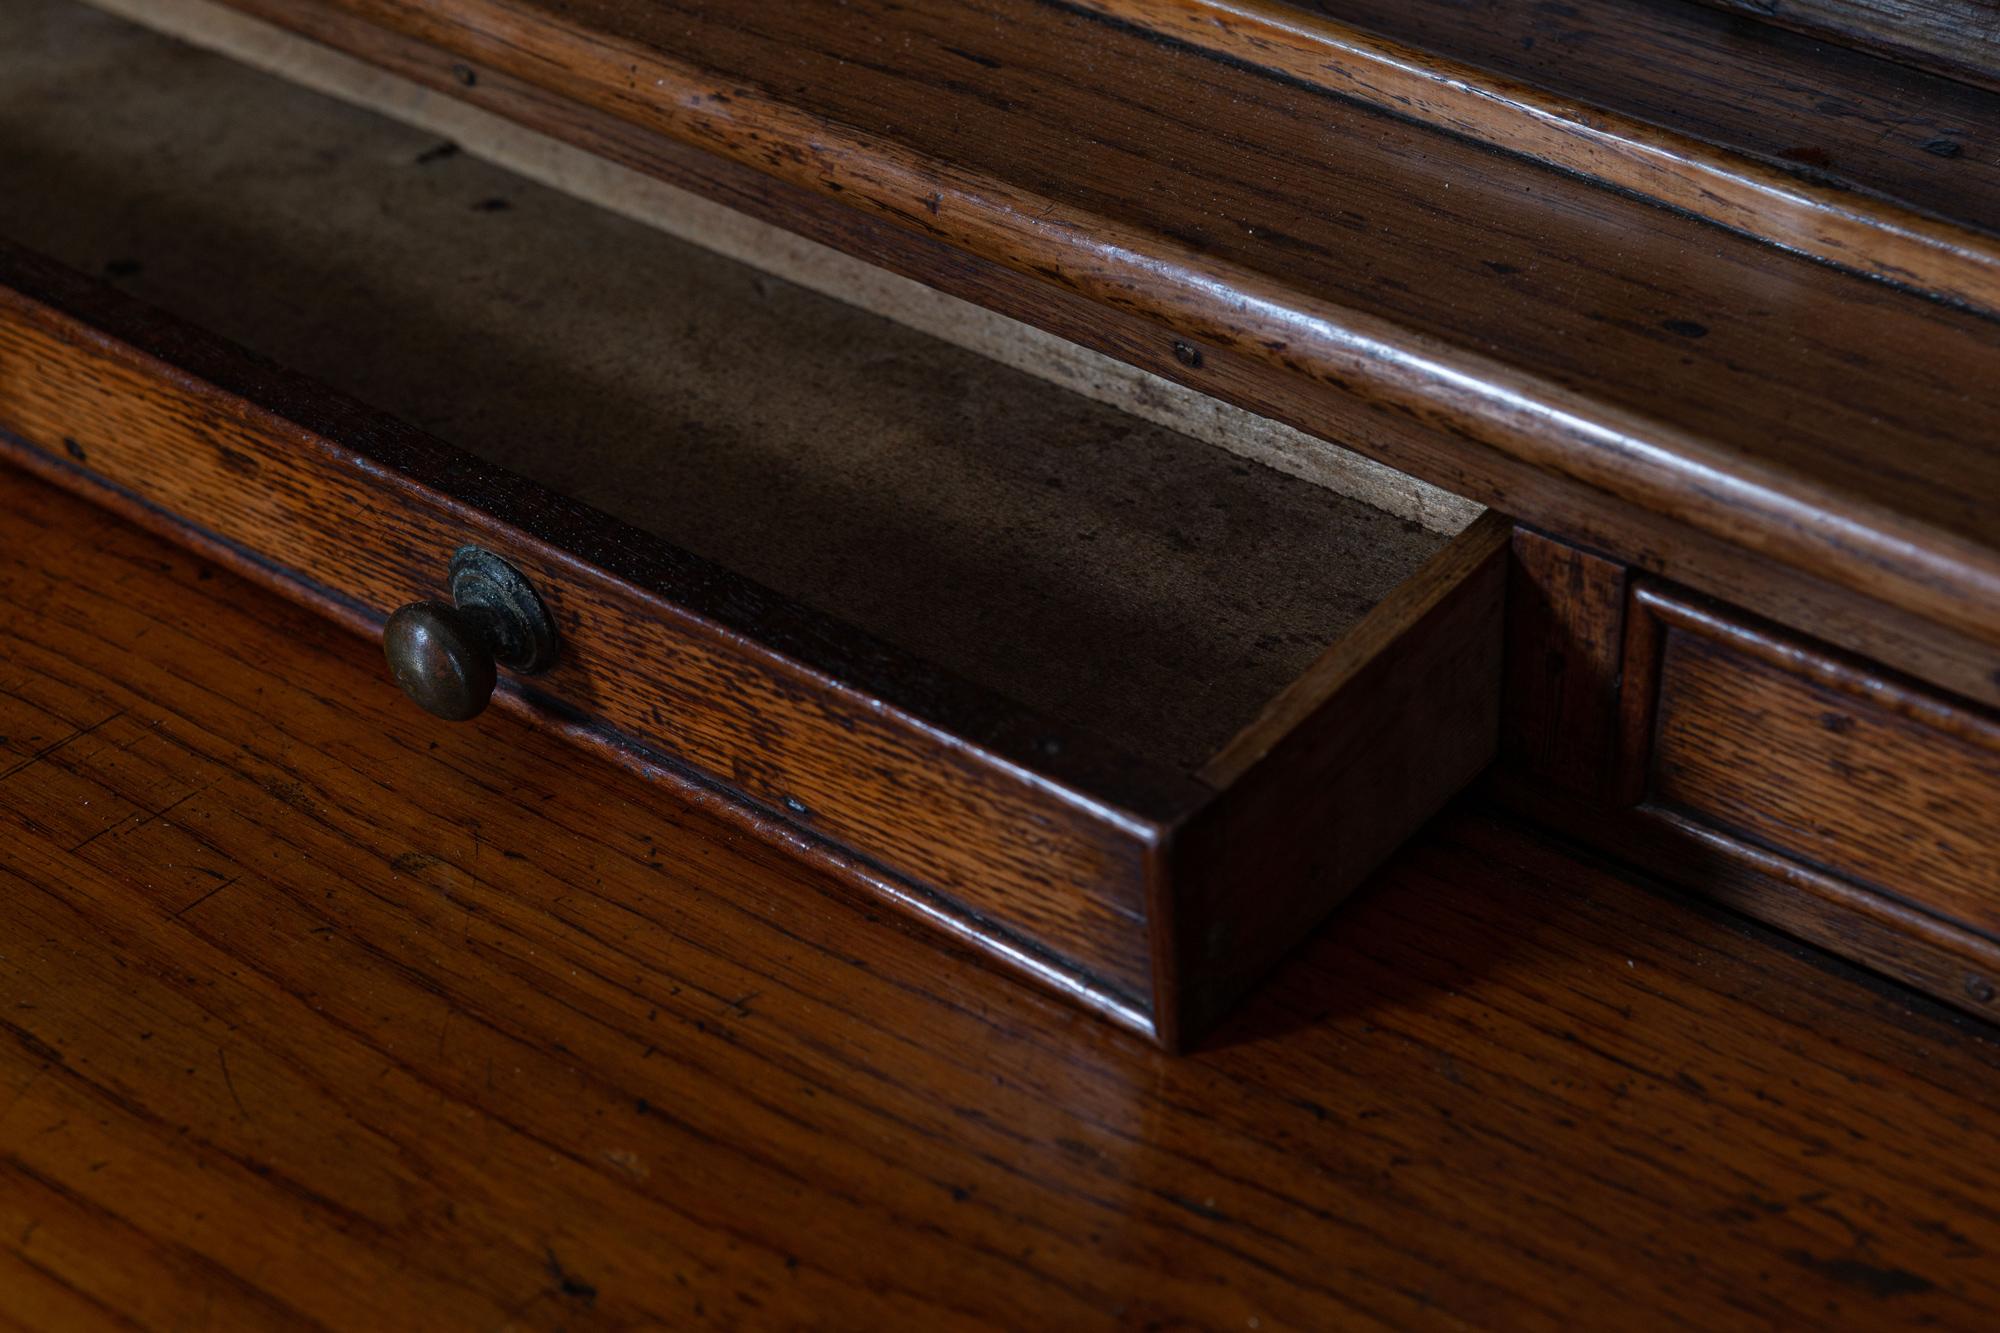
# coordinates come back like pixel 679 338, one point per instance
pixel 446 656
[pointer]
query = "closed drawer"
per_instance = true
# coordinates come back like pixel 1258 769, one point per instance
pixel 1124 711
pixel 1857 786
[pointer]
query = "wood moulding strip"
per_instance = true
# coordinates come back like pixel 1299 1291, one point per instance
pixel 1855 230
pixel 1957 38
pixel 713 226
pixel 1922 555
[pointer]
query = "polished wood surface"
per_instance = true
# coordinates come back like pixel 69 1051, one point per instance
pixel 1868 796
pixel 1740 393
pixel 1565 644
pixel 320 1012
pixel 1820 758
pixel 1131 581
pixel 1959 37
pixel 1043 843
pixel 1951 658
pixel 1805 786
pixel 1855 160
pixel 1020 822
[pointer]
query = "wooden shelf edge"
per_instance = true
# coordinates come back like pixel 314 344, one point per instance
pixel 1849 228
pixel 583 77
pixel 1959 39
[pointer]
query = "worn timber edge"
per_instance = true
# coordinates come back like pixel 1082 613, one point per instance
pixel 1339 771
pixel 1959 39
pixel 79 357
pixel 1843 225
pixel 1496 433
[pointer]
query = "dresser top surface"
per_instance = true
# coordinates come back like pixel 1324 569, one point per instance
pixel 323 1011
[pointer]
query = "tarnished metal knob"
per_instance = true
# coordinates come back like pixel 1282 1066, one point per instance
pixel 445 656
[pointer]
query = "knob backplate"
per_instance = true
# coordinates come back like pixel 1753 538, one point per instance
pixel 523 633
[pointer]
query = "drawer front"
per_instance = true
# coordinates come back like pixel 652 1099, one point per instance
pixel 1042 847
pixel 1814 758
pixel 1046 864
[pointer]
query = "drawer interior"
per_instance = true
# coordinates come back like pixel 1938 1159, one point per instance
pixel 1110 574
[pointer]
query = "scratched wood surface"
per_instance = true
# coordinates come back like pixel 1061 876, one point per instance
pixel 1832 114
pixel 1543 330
pixel 316 1013
pixel 1831 152
pixel 1959 37
pixel 1579 510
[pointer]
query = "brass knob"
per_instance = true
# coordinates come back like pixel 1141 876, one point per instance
pixel 446 656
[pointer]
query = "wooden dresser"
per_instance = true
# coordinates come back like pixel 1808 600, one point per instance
pixel 1082 688
pixel 1093 480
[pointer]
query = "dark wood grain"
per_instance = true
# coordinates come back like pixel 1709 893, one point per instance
pixel 1336 775
pixel 1829 764
pixel 1957 37
pixel 1855 160
pixel 318 1012
pixel 1917 948
pixel 1585 513
pixel 1800 785
pixel 1746 395
pixel 1565 637
pixel 1042 844
pixel 802 717
pixel 1813 758
pixel 875 473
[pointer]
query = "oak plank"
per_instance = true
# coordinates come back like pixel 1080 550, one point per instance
pixel 487 1031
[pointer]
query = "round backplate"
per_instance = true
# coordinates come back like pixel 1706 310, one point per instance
pixel 527 635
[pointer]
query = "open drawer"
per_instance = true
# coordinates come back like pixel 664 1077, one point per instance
pixel 1124 710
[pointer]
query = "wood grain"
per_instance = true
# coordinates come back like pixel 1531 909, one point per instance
pixel 1584 513
pixel 804 718
pixel 1704 378
pixel 1960 38
pixel 593 177
pixel 1802 786
pixel 1915 947
pixel 1064 882
pixel 1853 160
pixel 1378 634
pixel 1565 639
pixel 1815 758
pixel 318 1013
pixel 1399 719
pixel 1099 571
pixel 1070 871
